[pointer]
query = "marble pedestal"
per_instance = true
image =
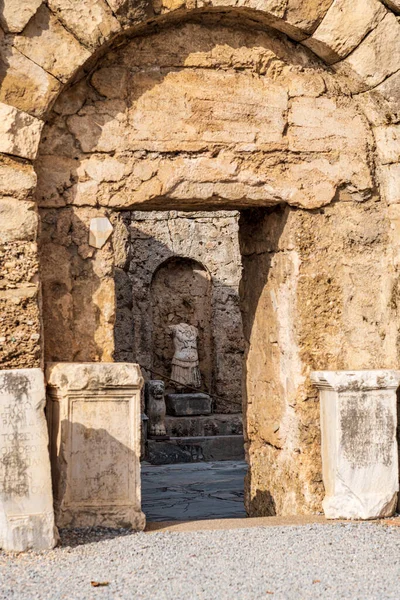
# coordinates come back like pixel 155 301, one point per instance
pixel 94 422
pixel 358 442
pixel 26 500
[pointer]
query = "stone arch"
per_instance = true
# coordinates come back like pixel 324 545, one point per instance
pixel 181 293
pixel 364 65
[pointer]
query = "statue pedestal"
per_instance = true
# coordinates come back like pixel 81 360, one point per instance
pixel 94 422
pixel 359 446
pixel 186 405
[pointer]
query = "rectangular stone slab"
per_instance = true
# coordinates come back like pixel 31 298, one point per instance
pixel 26 499
pixel 184 405
pixel 94 422
pixel 358 442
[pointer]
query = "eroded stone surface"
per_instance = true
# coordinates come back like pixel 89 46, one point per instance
pixel 388 143
pixel 94 423
pixel 24 84
pixel 15 15
pixel 359 446
pixel 19 132
pixel 20 323
pixel 17 179
pixel 304 307
pixel 18 220
pixel 344 26
pixel 376 57
pixel 49 45
pixel 26 502
pixel 92 22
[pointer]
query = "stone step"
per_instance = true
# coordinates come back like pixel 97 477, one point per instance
pixel 216 424
pixel 185 405
pixel 195 449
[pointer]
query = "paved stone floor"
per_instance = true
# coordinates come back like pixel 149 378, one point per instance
pixel 182 492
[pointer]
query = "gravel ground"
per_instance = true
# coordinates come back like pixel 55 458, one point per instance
pixel 314 561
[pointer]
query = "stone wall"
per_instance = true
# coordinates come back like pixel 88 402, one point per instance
pixel 199 115
pixel 318 290
pixel 192 116
pixel 186 267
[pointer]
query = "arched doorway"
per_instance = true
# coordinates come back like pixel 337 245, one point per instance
pixel 216 116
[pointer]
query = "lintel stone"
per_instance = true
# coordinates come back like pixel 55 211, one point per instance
pixel 359 446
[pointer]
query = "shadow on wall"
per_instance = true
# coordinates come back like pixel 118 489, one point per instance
pixel 95 474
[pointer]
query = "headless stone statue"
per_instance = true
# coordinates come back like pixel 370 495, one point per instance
pixel 155 407
pixel 185 363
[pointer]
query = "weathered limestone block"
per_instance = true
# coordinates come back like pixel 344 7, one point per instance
pixel 390 91
pixel 394 5
pixel 185 405
pixel 91 21
pixel 359 446
pixel 16 14
pixel 24 84
pixel 17 178
pixel 376 57
pixel 299 18
pixel 94 423
pixel 18 264
pixel 47 43
pixel 129 12
pixel 321 125
pixel 26 502
pixel 19 132
pixel 345 24
pixel 388 143
pixel 389 176
pixel 18 220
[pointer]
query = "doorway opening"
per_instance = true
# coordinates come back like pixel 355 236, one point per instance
pixel 184 269
pixel 206 115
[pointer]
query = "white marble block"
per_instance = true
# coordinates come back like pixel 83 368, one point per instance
pixel 26 500
pixel 359 446
pixel 94 422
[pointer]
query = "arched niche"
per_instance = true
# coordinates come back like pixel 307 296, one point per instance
pixel 181 293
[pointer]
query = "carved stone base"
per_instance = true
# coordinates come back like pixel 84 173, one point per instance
pixel 359 447
pixel 94 422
